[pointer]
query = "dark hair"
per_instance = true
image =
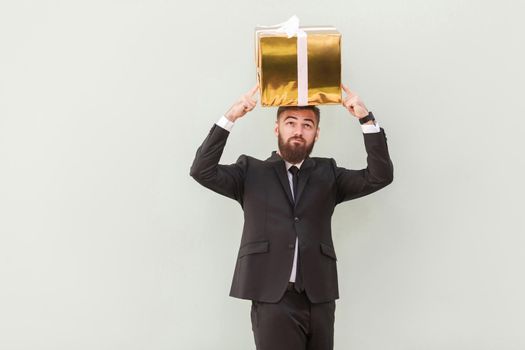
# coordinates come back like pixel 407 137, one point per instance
pixel 311 108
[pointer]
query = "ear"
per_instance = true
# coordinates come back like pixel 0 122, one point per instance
pixel 276 129
pixel 317 133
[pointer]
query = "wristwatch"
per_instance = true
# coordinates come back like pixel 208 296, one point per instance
pixel 369 117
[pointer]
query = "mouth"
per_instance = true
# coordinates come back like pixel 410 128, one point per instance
pixel 297 140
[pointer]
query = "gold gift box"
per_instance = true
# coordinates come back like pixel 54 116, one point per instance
pixel 277 67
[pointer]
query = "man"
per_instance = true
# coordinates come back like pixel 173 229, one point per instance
pixel 287 263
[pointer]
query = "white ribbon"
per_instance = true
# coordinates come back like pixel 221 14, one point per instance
pixel 302 69
pixel 291 29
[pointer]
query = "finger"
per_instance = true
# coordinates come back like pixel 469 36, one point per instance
pixel 253 90
pixel 346 89
pixel 249 102
pixel 349 103
pixel 353 100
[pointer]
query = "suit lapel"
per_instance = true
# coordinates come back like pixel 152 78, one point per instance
pixel 304 175
pixel 280 170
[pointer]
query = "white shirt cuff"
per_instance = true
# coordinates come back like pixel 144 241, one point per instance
pixel 225 123
pixel 370 129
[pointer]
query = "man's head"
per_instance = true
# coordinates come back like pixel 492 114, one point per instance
pixel 297 129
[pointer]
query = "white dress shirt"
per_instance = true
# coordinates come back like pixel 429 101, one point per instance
pixel 225 123
pixel 290 180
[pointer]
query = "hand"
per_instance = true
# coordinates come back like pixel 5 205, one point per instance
pixel 354 104
pixel 245 104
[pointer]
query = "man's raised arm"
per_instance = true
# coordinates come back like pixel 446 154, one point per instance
pixel 379 171
pixel 227 180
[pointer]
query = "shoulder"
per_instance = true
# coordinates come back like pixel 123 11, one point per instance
pixel 247 158
pixel 323 161
pixel 249 161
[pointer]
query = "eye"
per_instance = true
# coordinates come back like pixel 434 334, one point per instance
pixel 308 126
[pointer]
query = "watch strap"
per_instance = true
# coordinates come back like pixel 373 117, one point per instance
pixel 369 117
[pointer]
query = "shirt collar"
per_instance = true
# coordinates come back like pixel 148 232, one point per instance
pixel 289 165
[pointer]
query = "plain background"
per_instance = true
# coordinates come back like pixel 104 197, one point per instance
pixel 107 243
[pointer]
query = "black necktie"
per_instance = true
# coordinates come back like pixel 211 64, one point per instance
pixel 298 278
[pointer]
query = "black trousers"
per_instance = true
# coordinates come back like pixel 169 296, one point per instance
pixel 293 323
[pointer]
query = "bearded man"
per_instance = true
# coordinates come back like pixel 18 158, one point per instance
pixel 286 263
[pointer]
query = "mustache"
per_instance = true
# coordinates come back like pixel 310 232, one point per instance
pixel 296 138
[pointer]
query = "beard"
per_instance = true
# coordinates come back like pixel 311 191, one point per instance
pixel 294 152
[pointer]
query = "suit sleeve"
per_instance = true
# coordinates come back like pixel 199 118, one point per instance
pixel 227 180
pixel 379 172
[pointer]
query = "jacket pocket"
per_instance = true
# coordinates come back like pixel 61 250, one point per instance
pixel 253 248
pixel 328 250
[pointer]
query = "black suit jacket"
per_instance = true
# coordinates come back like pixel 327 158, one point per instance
pixel 272 221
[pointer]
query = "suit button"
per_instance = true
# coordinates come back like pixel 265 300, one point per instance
pixel 291 246
pixel 296 219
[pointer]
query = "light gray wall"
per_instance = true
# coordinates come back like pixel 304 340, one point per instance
pixel 107 243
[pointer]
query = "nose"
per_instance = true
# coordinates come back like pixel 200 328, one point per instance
pixel 298 131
